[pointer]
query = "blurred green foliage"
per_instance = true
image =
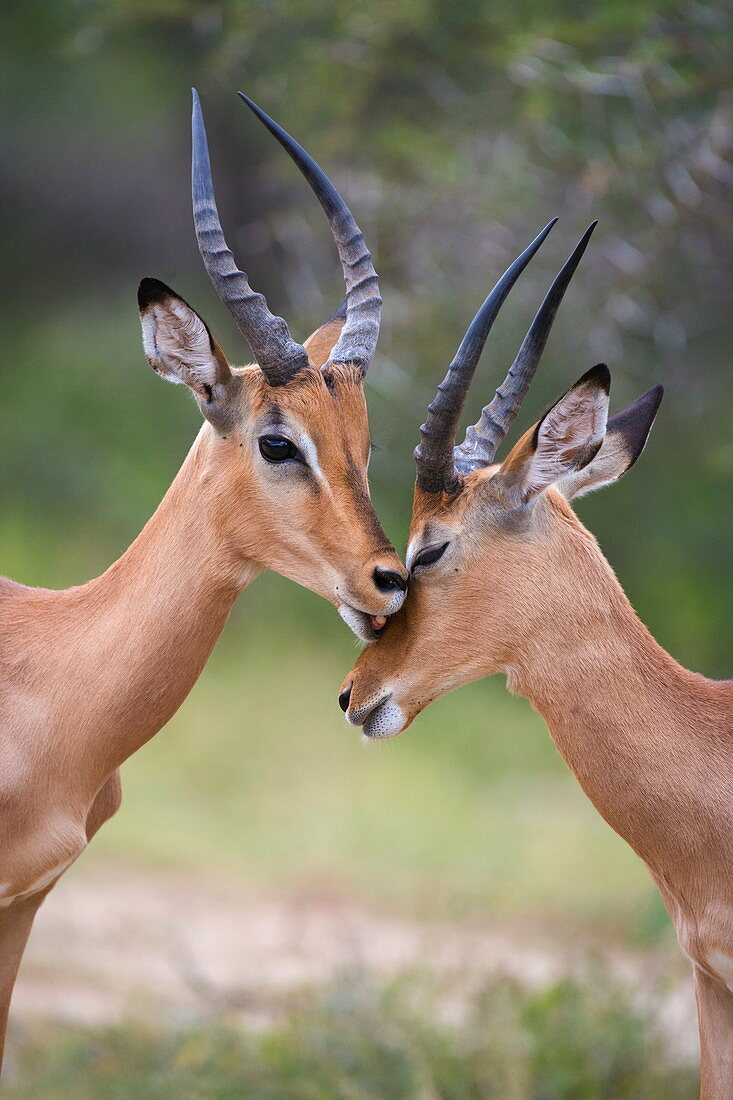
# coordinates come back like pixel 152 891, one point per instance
pixel 455 131
pixel 577 1040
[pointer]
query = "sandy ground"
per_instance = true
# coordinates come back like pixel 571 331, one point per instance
pixel 116 943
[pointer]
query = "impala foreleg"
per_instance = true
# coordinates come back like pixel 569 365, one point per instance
pixel 715 1021
pixel 15 926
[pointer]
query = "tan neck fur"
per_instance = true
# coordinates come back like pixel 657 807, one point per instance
pixel 620 709
pixel 141 632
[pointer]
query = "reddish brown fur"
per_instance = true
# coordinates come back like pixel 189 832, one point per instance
pixel 526 591
pixel 87 675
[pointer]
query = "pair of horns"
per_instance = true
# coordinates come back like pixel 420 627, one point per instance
pixel 440 464
pixel 279 356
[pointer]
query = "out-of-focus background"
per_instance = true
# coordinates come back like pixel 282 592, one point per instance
pixel 278 910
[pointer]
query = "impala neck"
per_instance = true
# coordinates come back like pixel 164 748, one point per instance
pixel 619 708
pixel 151 621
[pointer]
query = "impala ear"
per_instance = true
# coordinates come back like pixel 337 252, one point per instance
pixel 321 343
pixel 564 441
pixel 180 347
pixel 626 436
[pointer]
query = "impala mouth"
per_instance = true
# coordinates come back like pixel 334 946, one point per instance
pixel 379 720
pixel 366 627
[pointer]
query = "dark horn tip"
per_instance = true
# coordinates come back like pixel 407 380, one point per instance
pixel 588 233
pixel 253 106
pixel 545 232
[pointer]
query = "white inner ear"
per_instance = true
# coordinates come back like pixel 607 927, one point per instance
pixel 612 460
pixel 572 428
pixel 177 343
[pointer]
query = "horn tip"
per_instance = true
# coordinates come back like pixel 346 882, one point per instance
pixel 252 105
pixel 545 232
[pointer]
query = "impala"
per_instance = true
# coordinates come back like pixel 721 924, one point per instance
pixel 505 578
pixel 277 478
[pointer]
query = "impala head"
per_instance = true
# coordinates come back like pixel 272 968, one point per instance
pixel 286 440
pixel 495 549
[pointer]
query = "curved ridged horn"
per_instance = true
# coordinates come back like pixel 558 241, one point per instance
pixel 278 355
pixel 434 454
pixel 483 439
pixel 358 339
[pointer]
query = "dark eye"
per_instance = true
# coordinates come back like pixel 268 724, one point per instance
pixel 429 557
pixel 274 448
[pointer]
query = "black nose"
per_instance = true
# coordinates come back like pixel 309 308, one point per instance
pixel 344 699
pixel 387 580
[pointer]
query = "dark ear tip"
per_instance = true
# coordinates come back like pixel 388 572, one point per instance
pixel 648 403
pixel 151 291
pixel 599 376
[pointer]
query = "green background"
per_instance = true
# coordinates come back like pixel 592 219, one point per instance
pixel 455 131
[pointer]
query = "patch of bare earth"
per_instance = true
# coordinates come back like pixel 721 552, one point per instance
pixel 114 944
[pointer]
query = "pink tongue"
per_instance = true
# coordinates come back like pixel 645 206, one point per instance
pixel 378 622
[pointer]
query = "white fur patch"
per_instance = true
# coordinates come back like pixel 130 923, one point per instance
pixel 40 883
pixel 178 346
pixel 386 720
pixel 576 423
pixel 512 680
pixel 310 452
pixel 722 965
pixel 356 621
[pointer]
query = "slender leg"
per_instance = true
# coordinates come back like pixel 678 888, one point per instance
pixel 15 926
pixel 16 922
pixel 715 1020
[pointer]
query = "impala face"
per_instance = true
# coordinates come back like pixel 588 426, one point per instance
pixel 308 450
pixel 285 450
pixel 487 539
pixel 286 466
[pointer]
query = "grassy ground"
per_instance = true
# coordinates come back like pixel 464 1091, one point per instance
pixel 580 1041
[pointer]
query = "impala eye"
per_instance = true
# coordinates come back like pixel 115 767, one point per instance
pixel 429 557
pixel 274 448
